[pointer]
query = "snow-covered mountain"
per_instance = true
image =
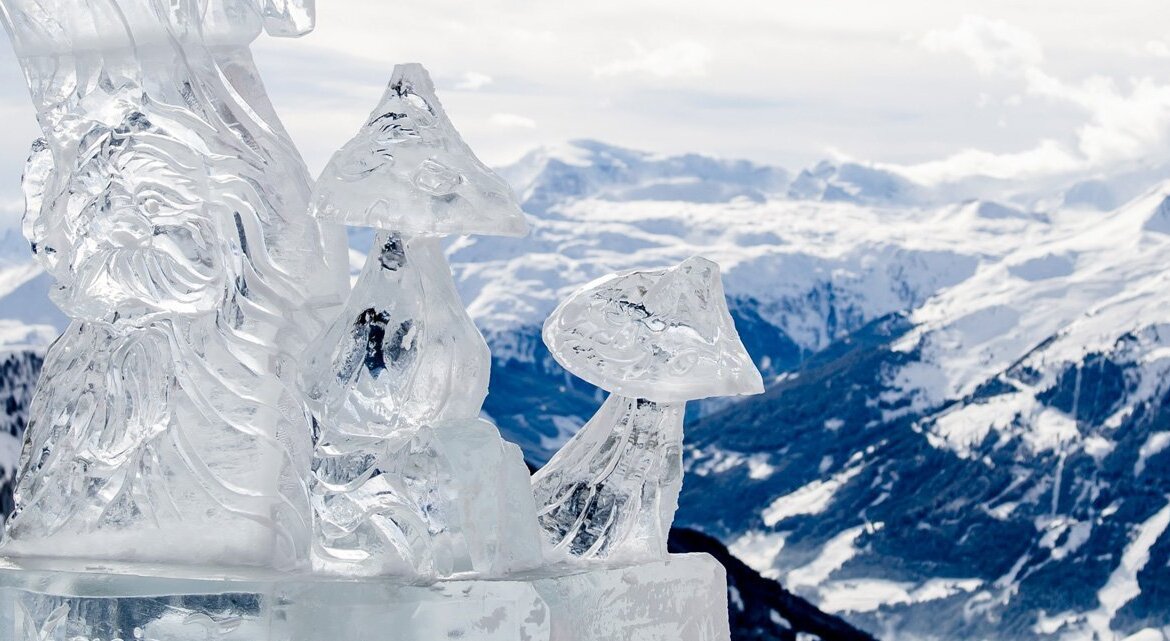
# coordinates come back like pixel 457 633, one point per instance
pixel 549 176
pixel 967 425
pixel 855 183
pixel 991 464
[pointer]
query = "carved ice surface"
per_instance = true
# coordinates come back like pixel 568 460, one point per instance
pixel 612 490
pixel 665 335
pixel 171 208
pixel 408 170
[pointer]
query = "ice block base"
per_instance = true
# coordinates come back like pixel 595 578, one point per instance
pixel 682 598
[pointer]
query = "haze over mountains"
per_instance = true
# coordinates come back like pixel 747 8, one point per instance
pixel 967 426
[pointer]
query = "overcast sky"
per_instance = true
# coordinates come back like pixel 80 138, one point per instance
pixel 939 89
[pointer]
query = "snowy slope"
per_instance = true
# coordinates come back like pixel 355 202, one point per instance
pixel 997 466
pixel 856 183
pixel 1085 281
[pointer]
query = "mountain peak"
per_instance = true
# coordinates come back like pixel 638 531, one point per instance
pixel 856 183
pixel 1159 220
pixel 584 168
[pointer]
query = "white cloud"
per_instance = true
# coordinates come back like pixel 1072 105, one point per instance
pixel 1121 121
pixel 1157 49
pixel 512 120
pixel 473 80
pixel 789 83
pixel 11 212
pixel 992 45
pixel 680 60
pixel 1046 158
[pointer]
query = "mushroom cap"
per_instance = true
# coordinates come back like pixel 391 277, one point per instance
pixel 408 170
pixel 664 335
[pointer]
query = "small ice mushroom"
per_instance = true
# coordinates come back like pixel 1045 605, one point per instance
pixel 403 362
pixel 664 335
pixel 654 339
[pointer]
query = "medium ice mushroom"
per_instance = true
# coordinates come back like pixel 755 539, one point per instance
pixel 654 339
pixel 404 352
pixel 404 362
pixel 395 383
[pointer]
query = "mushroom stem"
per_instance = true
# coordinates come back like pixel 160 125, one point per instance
pixel 612 490
pixel 403 352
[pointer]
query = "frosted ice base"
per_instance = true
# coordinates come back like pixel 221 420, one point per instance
pixel 680 598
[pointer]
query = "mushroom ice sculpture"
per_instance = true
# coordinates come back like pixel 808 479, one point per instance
pixel 654 340
pixel 406 479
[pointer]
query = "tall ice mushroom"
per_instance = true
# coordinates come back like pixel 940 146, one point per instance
pixel 395 385
pixel 654 340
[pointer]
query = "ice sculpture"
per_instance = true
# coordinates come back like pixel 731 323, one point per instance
pixel 397 381
pixel 171 208
pixel 654 340
pixel 223 445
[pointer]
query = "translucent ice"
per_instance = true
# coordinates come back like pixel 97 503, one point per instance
pixel 655 339
pixel 171 208
pixel 409 171
pixel 45 27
